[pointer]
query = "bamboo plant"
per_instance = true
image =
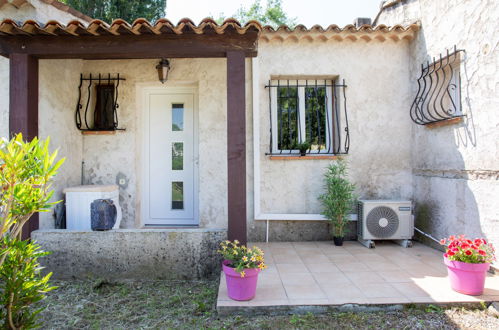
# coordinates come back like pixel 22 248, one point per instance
pixel 338 198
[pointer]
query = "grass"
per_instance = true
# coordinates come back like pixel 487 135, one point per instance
pixel 191 305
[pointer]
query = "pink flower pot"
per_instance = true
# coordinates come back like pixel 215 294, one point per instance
pixel 467 278
pixel 240 288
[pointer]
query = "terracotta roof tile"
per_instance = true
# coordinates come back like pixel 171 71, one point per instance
pixel 334 32
pixel 119 26
pixel 186 26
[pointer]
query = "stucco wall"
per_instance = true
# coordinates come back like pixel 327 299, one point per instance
pixel 58 92
pixel 456 168
pixel 369 109
pixel 378 95
pixel 106 156
pixel 36 10
pixel 4 97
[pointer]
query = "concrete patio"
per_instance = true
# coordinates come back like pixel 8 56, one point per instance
pixel 321 274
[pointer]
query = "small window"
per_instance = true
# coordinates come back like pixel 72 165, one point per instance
pixel 307 112
pixel 104 108
pixel 177 156
pixel 177 195
pixel 177 117
pixel 439 90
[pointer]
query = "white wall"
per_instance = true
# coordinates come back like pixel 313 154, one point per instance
pixel 378 95
pixel 456 168
pixel 4 97
pixel 57 97
pixel 35 10
pixel 58 92
pixel 376 74
pixel 374 117
pixel 106 156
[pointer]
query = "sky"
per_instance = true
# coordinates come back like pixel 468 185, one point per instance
pixel 307 12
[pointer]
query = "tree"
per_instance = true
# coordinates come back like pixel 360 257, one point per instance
pixel 272 14
pixel 129 10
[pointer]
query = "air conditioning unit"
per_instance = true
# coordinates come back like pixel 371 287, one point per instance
pixel 385 220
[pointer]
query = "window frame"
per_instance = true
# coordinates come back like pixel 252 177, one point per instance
pixel 302 84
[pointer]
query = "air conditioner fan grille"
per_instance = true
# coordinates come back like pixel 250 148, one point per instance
pixel 382 222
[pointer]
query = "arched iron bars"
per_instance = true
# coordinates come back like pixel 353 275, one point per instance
pixel 438 96
pixel 101 91
pixel 313 108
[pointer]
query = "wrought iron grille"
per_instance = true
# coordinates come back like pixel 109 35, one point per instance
pixel 100 96
pixel 313 112
pixel 439 87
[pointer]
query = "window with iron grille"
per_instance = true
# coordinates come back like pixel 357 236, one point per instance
pixel 308 111
pixel 439 90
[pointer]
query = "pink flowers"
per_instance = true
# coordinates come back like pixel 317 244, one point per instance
pixel 470 251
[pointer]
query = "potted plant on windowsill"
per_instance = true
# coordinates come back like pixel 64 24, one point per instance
pixel 303 147
pixel 241 266
pixel 467 263
pixel 338 199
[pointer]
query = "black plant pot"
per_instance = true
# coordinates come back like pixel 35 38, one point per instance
pixel 338 241
pixel 303 153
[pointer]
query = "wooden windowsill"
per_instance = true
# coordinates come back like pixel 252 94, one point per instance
pixel 110 132
pixel 447 122
pixel 296 157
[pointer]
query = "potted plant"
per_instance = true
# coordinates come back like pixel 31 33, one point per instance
pixel 338 199
pixel 467 263
pixel 303 147
pixel 241 266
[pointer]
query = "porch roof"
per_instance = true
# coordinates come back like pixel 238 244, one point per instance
pixel 143 39
pixel 121 40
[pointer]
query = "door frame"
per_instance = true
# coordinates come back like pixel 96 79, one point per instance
pixel 143 92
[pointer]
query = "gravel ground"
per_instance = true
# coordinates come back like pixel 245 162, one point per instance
pixel 191 304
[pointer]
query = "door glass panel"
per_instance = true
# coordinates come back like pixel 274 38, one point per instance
pixel 177 156
pixel 177 195
pixel 177 117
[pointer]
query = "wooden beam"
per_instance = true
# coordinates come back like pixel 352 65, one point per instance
pixel 131 46
pixel 23 108
pixel 23 113
pixel 236 145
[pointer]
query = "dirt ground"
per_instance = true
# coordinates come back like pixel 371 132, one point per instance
pixel 191 304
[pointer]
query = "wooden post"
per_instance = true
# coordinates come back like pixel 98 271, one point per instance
pixel 23 107
pixel 236 145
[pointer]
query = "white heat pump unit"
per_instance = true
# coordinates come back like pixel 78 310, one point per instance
pixel 385 220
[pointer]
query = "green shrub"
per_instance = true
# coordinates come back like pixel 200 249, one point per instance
pixel 26 170
pixel 22 284
pixel 339 197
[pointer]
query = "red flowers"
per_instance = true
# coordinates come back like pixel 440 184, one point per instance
pixel 470 251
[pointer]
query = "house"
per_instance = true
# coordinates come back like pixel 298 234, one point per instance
pixel 210 153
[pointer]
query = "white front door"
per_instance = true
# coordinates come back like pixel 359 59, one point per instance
pixel 169 159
